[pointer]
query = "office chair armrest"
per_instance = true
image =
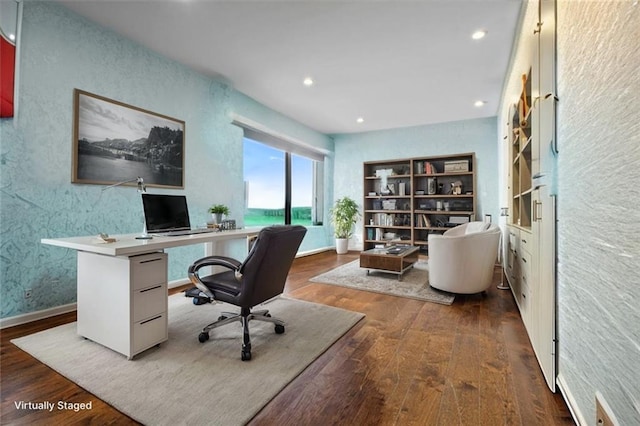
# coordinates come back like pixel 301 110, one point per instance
pixel 224 261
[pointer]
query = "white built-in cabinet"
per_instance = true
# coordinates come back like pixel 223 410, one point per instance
pixel 122 300
pixel 531 235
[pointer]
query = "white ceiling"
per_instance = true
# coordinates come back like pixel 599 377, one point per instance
pixel 394 63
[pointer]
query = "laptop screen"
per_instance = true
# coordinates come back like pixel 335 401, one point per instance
pixel 164 213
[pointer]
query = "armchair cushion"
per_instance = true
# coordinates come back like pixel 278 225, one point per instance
pixel 473 227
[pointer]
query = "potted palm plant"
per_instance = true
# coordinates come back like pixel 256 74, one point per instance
pixel 217 210
pixel 343 216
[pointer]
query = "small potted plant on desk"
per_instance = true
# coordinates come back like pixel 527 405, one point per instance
pixel 343 216
pixel 217 210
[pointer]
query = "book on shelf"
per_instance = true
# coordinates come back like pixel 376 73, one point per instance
pixel 422 221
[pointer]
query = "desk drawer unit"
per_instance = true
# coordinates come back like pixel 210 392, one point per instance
pixel 122 301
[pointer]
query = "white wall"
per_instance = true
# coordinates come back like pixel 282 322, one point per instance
pixel 599 205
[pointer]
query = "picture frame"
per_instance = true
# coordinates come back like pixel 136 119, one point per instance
pixel 114 142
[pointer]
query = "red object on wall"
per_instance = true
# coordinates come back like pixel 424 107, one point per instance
pixel 7 77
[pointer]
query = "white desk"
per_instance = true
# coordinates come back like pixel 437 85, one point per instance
pixel 122 286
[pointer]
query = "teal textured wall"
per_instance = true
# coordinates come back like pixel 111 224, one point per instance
pixel 478 136
pixel 62 51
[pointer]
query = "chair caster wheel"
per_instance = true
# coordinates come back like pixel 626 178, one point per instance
pixel 246 356
pixel 279 329
pixel 203 337
pixel 222 317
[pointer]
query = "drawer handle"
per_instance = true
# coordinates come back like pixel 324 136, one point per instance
pixel 524 296
pixel 524 260
pixel 157 259
pixel 151 319
pixel 524 241
pixel 151 288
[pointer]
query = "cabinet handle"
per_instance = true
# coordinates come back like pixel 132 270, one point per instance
pixel 524 260
pixel 151 319
pixel 152 288
pixel 536 216
pixel 157 259
pixel 524 241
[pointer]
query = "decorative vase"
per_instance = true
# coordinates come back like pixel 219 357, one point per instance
pixel 342 245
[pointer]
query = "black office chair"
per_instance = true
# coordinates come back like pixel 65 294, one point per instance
pixel 259 278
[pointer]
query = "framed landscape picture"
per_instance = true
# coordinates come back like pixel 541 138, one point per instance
pixel 114 142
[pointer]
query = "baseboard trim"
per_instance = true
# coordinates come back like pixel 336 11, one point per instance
pixel 37 315
pixel 178 283
pixel 314 251
pixel 576 414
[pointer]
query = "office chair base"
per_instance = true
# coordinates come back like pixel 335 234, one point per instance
pixel 229 317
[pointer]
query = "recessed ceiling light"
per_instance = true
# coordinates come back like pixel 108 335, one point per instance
pixel 308 81
pixel 479 103
pixel 479 34
pixel 360 120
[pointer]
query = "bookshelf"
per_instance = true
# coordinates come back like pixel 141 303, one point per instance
pixel 407 199
pixel 521 157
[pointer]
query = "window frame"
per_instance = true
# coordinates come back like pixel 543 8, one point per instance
pixel 290 147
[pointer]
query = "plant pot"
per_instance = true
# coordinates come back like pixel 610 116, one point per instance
pixel 217 218
pixel 342 245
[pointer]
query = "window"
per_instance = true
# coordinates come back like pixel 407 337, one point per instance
pixel 281 187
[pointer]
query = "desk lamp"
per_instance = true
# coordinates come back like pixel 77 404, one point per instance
pixel 142 188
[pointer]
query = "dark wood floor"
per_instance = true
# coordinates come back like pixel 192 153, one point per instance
pixel 408 362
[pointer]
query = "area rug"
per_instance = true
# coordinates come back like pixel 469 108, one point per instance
pixel 184 381
pixel 414 284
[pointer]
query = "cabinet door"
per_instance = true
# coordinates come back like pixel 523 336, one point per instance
pixel 535 110
pixel 547 47
pixel 545 298
pixel 547 140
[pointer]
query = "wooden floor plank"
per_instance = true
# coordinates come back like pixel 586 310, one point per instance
pixel 407 362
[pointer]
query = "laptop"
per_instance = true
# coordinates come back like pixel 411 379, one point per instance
pixel 168 215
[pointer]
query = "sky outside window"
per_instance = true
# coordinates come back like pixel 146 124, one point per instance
pixel 264 172
pixel 264 169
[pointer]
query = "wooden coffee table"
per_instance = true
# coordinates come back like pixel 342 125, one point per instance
pixel 385 260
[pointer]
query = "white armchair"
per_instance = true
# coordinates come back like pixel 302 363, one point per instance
pixel 463 258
